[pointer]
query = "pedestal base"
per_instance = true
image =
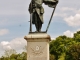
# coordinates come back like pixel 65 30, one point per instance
pixel 37 46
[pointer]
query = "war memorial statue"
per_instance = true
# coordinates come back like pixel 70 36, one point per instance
pixel 38 42
pixel 36 11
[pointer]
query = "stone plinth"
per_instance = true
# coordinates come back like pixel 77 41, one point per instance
pixel 37 46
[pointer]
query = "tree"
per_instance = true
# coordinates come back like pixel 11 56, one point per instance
pixel 73 53
pixel 57 47
pixel 9 52
pixel 22 56
pixel 52 57
pixel 77 36
pixel 13 56
pixel 60 45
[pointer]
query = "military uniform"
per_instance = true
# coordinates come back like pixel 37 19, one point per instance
pixel 37 11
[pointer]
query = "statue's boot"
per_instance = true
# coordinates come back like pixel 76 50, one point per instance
pixel 36 25
pixel 40 26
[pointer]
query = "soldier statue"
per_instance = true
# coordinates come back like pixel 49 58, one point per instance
pixel 36 10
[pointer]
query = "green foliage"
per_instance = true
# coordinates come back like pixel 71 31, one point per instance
pixel 58 46
pixel 9 52
pixel 73 53
pixel 62 56
pixel 52 57
pixel 63 45
pixel 77 36
pixel 22 56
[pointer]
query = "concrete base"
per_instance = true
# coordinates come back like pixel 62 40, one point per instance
pixel 37 46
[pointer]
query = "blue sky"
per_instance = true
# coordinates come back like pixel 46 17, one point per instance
pixel 14 25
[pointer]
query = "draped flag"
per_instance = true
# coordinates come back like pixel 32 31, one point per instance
pixel 51 3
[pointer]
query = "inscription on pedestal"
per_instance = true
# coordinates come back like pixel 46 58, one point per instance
pixel 37 50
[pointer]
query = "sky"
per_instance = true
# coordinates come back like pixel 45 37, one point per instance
pixel 14 22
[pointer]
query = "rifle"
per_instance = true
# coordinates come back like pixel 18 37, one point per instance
pixel 31 13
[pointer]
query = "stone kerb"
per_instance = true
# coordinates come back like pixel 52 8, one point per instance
pixel 38 37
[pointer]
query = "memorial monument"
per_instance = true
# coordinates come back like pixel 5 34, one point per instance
pixel 38 41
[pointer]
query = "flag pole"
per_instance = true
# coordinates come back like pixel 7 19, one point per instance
pixel 50 19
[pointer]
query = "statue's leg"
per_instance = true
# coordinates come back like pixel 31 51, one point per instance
pixel 36 25
pixel 40 27
pixel 36 22
pixel 39 24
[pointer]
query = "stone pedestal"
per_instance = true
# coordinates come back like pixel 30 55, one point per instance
pixel 37 46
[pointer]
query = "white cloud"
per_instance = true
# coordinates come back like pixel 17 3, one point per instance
pixel 4 43
pixel 73 20
pixel 52 38
pixel 3 32
pixel 70 15
pixel 17 44
pixel 68 33
pixel 65 11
